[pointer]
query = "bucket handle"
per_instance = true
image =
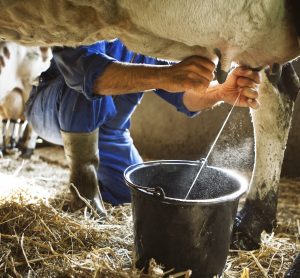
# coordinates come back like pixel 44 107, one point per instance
pixel 202 161
pixel 157 191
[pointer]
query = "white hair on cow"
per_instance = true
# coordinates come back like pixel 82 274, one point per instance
pixel 250 32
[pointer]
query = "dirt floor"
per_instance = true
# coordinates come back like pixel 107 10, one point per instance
pixel 39 237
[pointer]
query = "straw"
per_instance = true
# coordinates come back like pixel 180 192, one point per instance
pixel 42 238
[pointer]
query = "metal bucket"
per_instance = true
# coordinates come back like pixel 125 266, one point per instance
pixel 183 234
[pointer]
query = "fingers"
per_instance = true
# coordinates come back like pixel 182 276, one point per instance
pixel 248 102
pixel 248 96
pixel 248 82
pixel 249 92
pixel 244 83
pixel 253 103
pixel 201 72
pixel 193 74
pixel 200 66
pixel 202 62
pixel 245 73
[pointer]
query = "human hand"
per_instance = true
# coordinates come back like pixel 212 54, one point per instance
pixel 244 82
pixel 193 74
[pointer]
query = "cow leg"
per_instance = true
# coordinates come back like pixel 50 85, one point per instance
pixel 271 128
pixel 9 140
pixel 4 122
pixel 28 142
pixel 294 270
pixel 2 130
pixel 12 134
pixel 12 107
pixel 21 129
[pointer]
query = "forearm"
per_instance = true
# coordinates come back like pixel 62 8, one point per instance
pixel 195 102
pixel 122 78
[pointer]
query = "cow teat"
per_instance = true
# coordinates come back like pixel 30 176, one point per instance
pixel 274 73
pixel 221 74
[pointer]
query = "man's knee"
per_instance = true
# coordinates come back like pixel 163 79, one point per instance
pixel 41 112
pixel 79 114
pixel 113 188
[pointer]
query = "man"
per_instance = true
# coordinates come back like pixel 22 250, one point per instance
pixel 85 100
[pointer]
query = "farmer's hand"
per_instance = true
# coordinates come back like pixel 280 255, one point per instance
pixel 241 81
pixel 193 74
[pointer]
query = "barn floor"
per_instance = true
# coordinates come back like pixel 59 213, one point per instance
pixel 40 238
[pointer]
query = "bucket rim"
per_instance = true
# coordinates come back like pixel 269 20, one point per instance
pixel 230 197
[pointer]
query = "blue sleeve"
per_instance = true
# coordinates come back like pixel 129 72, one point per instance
pixel 176 99
pixel 81 66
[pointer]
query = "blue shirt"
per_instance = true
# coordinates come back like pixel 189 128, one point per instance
pixel 64 100
pixel 81 66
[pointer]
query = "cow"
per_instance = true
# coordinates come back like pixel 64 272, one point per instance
pixel 19 68
pixel 253 33
pixel 248 38
pixel 271 129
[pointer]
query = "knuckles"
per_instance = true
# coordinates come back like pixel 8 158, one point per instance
pixel 199 61
pixel 193 74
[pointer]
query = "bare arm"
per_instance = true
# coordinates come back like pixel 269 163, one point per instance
pixel 192 74
pixel 123 78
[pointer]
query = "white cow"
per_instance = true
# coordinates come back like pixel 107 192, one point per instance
pixel 245 31
pixel 255 33
pixel 20 66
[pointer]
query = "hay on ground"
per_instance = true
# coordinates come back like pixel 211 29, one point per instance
pixel 41 239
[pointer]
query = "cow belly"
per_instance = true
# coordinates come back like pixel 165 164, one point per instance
pixel 246 31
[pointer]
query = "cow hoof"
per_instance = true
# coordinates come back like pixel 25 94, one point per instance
pixel 294 270
pixel 249 223
pixel 244 237
pixel 27 153
pixel 4 152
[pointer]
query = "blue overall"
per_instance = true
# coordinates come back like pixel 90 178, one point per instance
pixel 64 101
